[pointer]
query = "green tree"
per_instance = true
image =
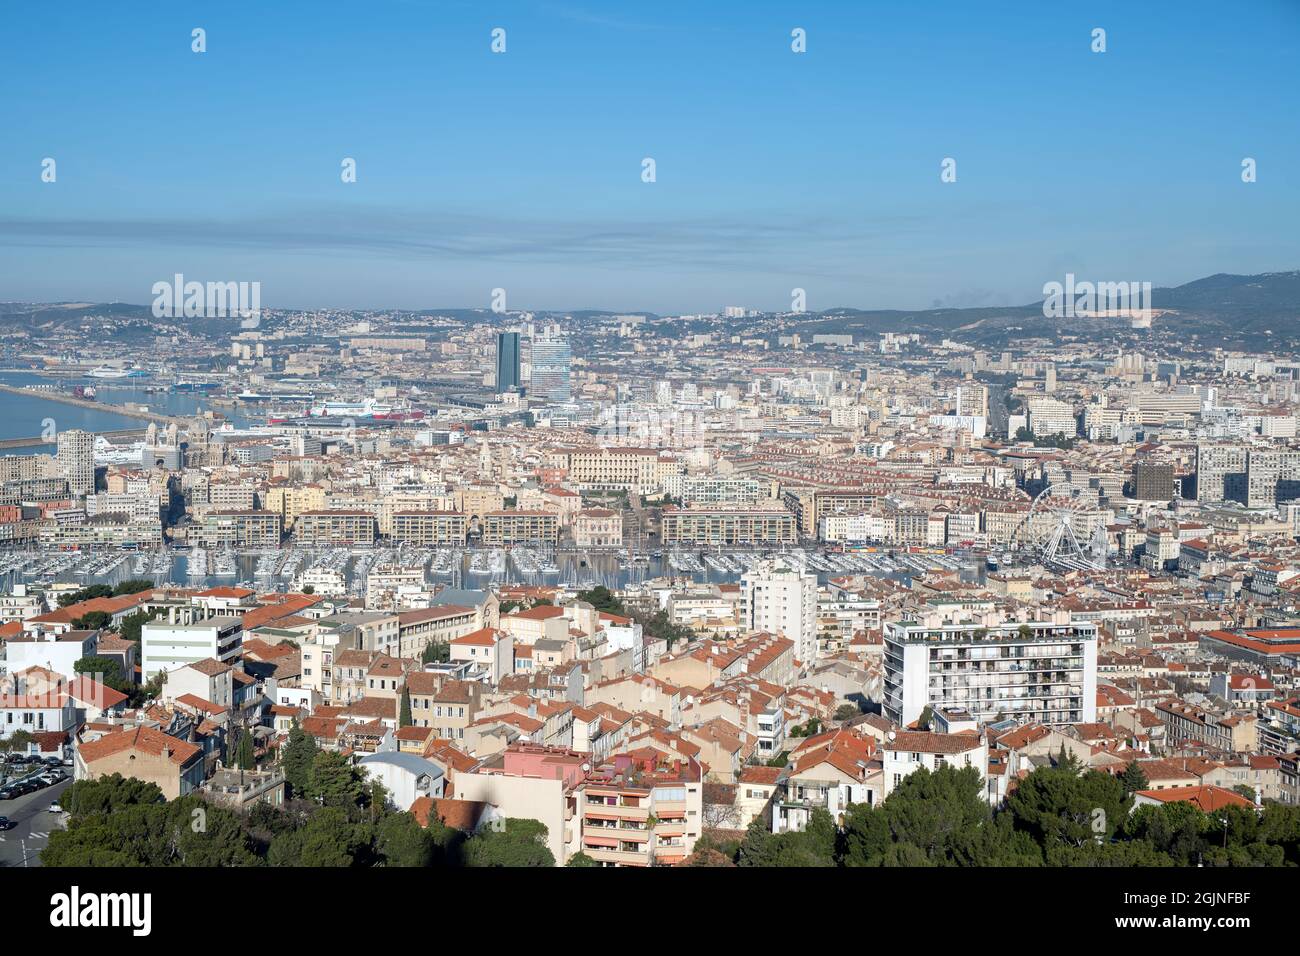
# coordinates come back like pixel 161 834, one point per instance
pixel 327 839
pixel 335 782
pixel 759 846
pixel 131 625
pixel 404 715
pixel 519 843
pixel 662 627
pixel 104 669
pixel 436 652
pixel 69 598
pixel 133 586
pixel 296 759
pixel 602 599
pixel 105 795
pixel 116 821
pixel 93 621
pixel 581 859
pixel 150 690
pixel 244 758
pixel 19 741
pixel 1134 778
pixel 1177 828
pixel 938 818
pixel 847 712
pixel 1058 805
pixel 401 841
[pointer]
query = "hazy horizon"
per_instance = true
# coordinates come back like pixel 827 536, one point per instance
pixel 522 170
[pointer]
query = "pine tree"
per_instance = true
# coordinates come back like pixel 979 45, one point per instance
pixel 1134 778
pixel 404 717
pixel 296 759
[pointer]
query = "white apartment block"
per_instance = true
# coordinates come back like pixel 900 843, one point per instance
pixel 165 646
pixel 1044 671
pixel 1047 416
pixel 780 597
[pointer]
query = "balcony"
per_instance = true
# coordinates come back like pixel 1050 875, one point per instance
pixel 598 810
pixel 620 857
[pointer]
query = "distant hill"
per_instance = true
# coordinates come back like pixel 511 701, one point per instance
pixel 1256 311
pixel 1247 309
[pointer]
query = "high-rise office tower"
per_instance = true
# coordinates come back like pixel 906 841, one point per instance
pixel 508 361
pixel 76 458
pixel 551 357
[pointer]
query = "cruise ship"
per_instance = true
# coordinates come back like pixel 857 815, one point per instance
pixel 106 371
pixel 364 409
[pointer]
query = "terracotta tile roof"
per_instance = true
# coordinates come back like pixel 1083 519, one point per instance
pixel 921 741
pixel 1206 798
pixel 458 814
pixel 144 739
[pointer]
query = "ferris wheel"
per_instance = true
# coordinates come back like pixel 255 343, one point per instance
pixel 1062 529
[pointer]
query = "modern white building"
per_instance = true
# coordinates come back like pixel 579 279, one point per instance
pixel 165 646
pixel 779 596
pixel 1043 671
pixel 1047 416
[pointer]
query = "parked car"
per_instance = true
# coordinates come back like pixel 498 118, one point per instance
pixel 7 824
pixel 7 793
pixel 52 761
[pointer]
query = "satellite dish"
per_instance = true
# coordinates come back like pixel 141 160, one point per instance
pixel 891 736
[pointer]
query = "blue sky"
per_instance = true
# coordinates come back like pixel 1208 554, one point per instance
pixel 522 170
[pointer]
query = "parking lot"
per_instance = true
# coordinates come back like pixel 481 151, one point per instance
pixel 32 820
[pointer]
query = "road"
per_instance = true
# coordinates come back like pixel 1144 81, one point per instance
pixel 22 845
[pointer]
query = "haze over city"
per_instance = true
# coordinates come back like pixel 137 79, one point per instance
pixel 523 170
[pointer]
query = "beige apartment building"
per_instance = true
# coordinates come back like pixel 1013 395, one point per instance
pixel 430 528
pixel 477 501
pixel 1237 733
pixel 335 527
pixel 641 809
pixel 446 706
pixel 761 523
pixel 239 529
pixel 289 501
pixel 520 527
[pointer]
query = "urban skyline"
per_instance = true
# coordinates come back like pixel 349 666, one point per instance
pixel 538 435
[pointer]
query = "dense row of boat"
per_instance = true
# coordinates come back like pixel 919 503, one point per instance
pixel 279 567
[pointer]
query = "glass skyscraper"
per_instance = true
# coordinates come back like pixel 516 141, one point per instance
pixel 508 378
pixel 551 357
